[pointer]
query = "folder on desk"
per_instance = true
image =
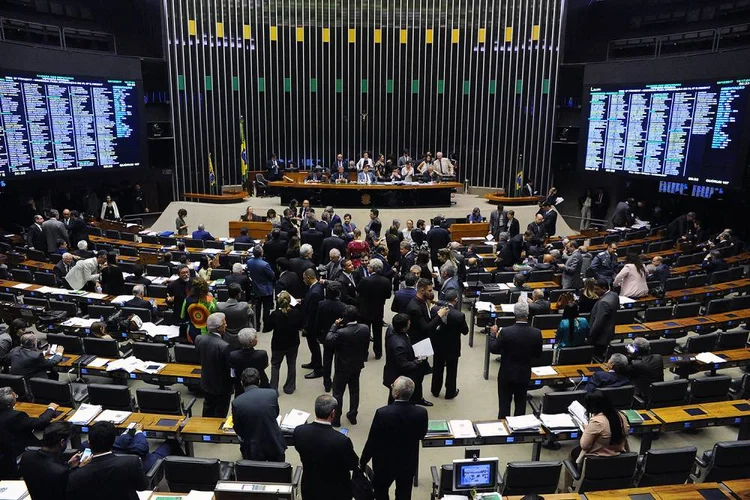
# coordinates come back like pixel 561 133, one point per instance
pixel 492 429
pixel 85 414
pixel 293 419
pixel 462 429
pixel 438 427
pixel 228 425
pixel 116 417
pixel 558 421
pixel 634 418
pixel 523 423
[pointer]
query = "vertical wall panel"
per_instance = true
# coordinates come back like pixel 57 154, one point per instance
pixel 475 79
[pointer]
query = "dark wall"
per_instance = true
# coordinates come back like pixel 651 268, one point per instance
pixel 483 102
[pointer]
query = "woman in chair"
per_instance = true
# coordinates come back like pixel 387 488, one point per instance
pixel 572 330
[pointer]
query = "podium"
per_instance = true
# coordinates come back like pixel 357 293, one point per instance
pixel 256 230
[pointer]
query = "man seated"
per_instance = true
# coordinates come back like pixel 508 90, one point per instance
pixel 537 304
pixel 44 470
pixel 314 176
pixel 714 262
pixel 83 251
pixel 18 426
pixel 133 442
pixel 138 301
pixel 62 268
pixel 365 176
pixel 28 361
pixel 430 175
pixel 137 276
pixel 658 270
pixel 243 237
pixel 519 284
pixel 615 376
pixel 547 264
pixel 340 176
pixel 644 368
pixel 202 234
pixel 395 175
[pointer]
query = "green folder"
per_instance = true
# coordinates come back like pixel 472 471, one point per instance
pixel 438 426
pixel 634 418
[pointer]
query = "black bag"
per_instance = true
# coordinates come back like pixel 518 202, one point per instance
pixel 658 292
pixel 362 484
pixel 53 316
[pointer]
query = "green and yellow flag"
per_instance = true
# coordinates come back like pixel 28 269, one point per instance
pixel 519 182
pixel 243 151
pixel 211 174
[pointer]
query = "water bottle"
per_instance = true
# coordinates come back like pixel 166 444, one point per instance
pixel 98 288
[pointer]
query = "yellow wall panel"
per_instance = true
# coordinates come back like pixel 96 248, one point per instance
pixel 377 36
pixel 428 36
pixel 192 30
pixel 326 35
pixel 352 35
pixel 535 32
pixel 220 30
pixel 300 34
pixel 455 35
pixel 273 33
pixel 404 36
pixel 246 32
pixel 509 34
pixel 481 35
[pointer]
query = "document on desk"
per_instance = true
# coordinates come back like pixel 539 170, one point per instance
pixel 200 495
pixel 56 291
pixel 558 421
pixel 168 331
pixel 98 296
pixel 507 308
pixel 294 418
pixel 116 417
pixel 543 371
pixel 85 414
pixel 423 348
pixel 13 490
pixel 481 306
pixel 523 423
pixel 121 299
pixel 129 364
pixel 462 429
pixel 490 429
pixel 98 363
pixel 709 358
pixel 22 286
pixel 625 300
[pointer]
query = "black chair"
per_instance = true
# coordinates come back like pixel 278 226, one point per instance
pixel 667 393
pixel 189 473
pixel 243 246
pixel 557 402
pixel 720 277
pixel 158 270
pixel 185 353
pixel 153 240
pixel 719 306
pixel 731 340
pixel 740 302
pixel 70 344
pixel 658 314
pixel 619 348
pixel 701 343
pixel 162 401
pixel 740 388
pixel 254 471
pixel 106 348
pixel 575 355
pixel 35 254
pixel 146 351
pixel 46 279
pixel 261 185
pixel 665 347
pixel 727 461
pixel 17 383
pixel 144 314
pixel 193 243
pixel 667 466
pixel 217 245
pixel 157 291
pixel 167 241
pixel 603 473
pixel 69 307
pixel 541 276
pixel 54 258
pixel 546 321
pixel 500 297
pixel 7 297
pixel 112 233
pixel 504 276
pixel 220 274
pixel 36 301
pixel 696 280
pixel 709 389
pixel 620 397
pixel 98 311
pixel 676 283
pixel 128 288
pixel 736 273
pixel 23 275
pixel 47 391
pixel 111 397
pixel 545 359
pixel 687 310
pixel 624 316
pixel 127 236
pixel 129 251
pixel 523 478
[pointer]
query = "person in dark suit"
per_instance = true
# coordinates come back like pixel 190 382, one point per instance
pixel 393 442
pixel 178 290
pixel 313 297
pixel 305 210
pixel 403 297
pixel 603 319
pixel 423 323
pixel 202 234
pixel 537 303
pixel 538 231
pixel 120 476
pixel 17 425
pixel 139 302
pixel 327 456
pixel 44 470
pixel 350 341
pixel 262 277
pixel 339 175
pixel 418 234
pixel 373 291
pixel 254 413
pixel 275 247
pixel 348 283
pixel 446 342
pixel 528 188
pixel 54 230
pixel 600 204
pixel 35 235
pixel 248 357
pixel 680 226
pixel 299 265
pixel 288 281
pixel 401 361
pixel 517 345
pixel 77 229
pixel 407 259
pixel 449 281
pixel 324 224
pixel 658 271
pixel 336 241
pixel 214 355
pixel 644 368
pixel 437 238
pixel 244 236
pixel 604 264
pixel 62 268
pixel 329 310
pixel 623 214
pixel 137 276
pixel 237 276
pixel 615 376
pixel 714 262
pixel 273 169
pixel 28 361
pixel 498 221
pixel 550 218
pixel 238 314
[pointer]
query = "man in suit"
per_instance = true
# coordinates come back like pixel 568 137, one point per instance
pixel 202 234
pixel 178 290
pixel 518 345
pixel 237 277
pixel 77 229
pixel 275 247
pixel 537 303
pixel 54 230
pixel 604 265
pixel 373 291
pixel 45 472
pixel 680 226
pixel 571 273
pixel 644 368
pixel 329 310
pixel 333 217
pixel 63 267
pixel 247 356
pixel 310 304
pixel 139 302
pixel 348 283
pixel 29 362
pixel 365 176
pixel 324 224
pixel 599 204
pixel 299 265
pixel 393 442
pixel 120 476
pixel 400 359
pixel 658 271
pixel 137 277
pixel 262 277
pixel 315 175
pixel 616 374
pixel 407 258
pixel 538 231
pixel 374 226
pixel 528 188
pixel 437 238
pixel 449 282
pixel 423 323
pixel 403 297
pixel 713 262
pixel 288 280
pixel 550 218
pixel 339 175
pixel 305 210
pixel 238 315
pixel 336 241
pixel 83 252
pixel 623 214
pixel 273 169
pixel 254 414
pixel 244 236
pixel 327 456
pixel 214 354
pixel 340 164
pixel 603 317
pixel 498 221
pixel 333 267
pixel 35 235
pixel 86 272
pixel 446 342
pixel 350 341
pixel 17 425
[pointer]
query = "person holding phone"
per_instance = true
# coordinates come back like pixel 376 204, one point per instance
pixel 133 442
pixel 45 470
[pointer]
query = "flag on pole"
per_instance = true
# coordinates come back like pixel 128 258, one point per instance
pixel 211 175
pixel 243 151
pixel 519 182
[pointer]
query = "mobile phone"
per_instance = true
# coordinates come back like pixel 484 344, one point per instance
pixel 630 348
pixel 86 454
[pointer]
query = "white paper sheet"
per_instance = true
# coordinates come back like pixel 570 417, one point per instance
pixel 98 363
pixel 541 371
pixel 116 417
pixel 558 421
pixel 462 429
pixel 97 296
pixel 77 322
pixel 85 414
pixel 507 308
pixel 709 358
pixel 22 286
pixel 200 495
pixel 152 330
pixel 121 299
pixel 294 418
pixel 523 422
pixel 489 429
pixel 578 412
pixel 423 348
pixel 13 490
pixel 484 306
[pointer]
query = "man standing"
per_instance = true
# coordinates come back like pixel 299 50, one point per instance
pixel 299 265
pixel 248 357
pixel 518 345
pixel 273 171
pixel 550 218
pixel 54 230
pixel 327 456
pixel 178 290
pixel 374 226
pixel 86 272
pixel 348 283
pixel 254 414
pixel 437 238
pixel 603 319
pixel 373 291
pixel 400 360
pixel 571 275
pixel 35 235
pixel 214 355
pixel 449 281
pixel 604 265
pixel 402 298
pixel 329 310
pixel 623 214
pixel 393 442
pixel 238 277
pixel 423 322
pixel 333 268
pixel 615 376
pixel 446 343
pixel 262 277
pixel 350 341
pixel 498 221
pixel 275 247
pixel 45 472
pixel 310 310
pixel 336 241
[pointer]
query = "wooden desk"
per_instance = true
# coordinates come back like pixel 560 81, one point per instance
pixel 473 230
pixel 735 412
pixel 35 409
pixel 729 319
pixel 498 199
pixel 35 264
pixel 554 496
pixel 123 227
pixel 256 230
pixel 564 372
pixel 740 487
pixel 687 491
pixel 696 323
pixel 172 373
pixel 677 417
pixel 623 494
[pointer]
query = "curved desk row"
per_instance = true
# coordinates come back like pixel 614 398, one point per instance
pixel 372 195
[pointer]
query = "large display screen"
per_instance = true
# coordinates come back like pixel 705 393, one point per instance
pixel 57 123
pixel 689 131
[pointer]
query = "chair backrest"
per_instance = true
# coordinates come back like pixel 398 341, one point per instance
pixel 740 302
pixel 624 316
pixel 70 344
pixel 98 311
pixel 687 310
pixel 47 391
pixel 720 277
pixel 446 479
pixel 111 397
pixel 701 343
pixel 575 355
pixel 128 236
pixel 504 276
pixel 146 351
pixel 185 353
pixel 523 478
pixel 158 270
pixel 545 359
pixel 541 275
pixel 243 246
pixel 658 313
pixel 499 297
pixel 607 473
pixel 22 275
pixel 163 401
pixel 708 389
pixel 106 348
pixel 36 301
pixel 675 283
pixel 111 233
pixel 731 340
pixel 558 402
pixel 621 348
pixel 16 382
pixel 736 273
pixel 46 279
pixel 218 274
pixel 546 321
pixel 193 243
pixel 189 473
pixel 667 393
pixel 218 245
pixel 665 347
pixel 154 240
pixel 719 306
pixel 621 397
pixel 69 307
pixel 666 466
pixel 129 251
pixel 695 280
pixel 730 460
pixel 168 241
pixel 263 472
pixel 144 314
pixel 128 288
pixel 7 297
pixel 157 291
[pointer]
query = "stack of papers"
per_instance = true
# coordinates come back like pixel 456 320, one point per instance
pixel 437 427
pixel 490 429
pixel 98 363
pixel 293 419
pixel 97 296
pixel 484 306
pixel 55 291
pixel 211 251
pixel 709 358
pixel 22 286
pixel 579 414
pixel 121 299
pixel 543 371
pixel 116 417
pixel 168 331
pixel 129 364
pixel 558 421
pixel 79 322
pixel 85 414
pixel 423 348
pixel 13 490
pixel 523 423
pixel 160 280
pixel 462 429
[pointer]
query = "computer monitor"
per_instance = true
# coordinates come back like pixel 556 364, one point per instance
pixel 475 474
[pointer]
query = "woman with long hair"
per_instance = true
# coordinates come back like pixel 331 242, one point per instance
pixel 285 321
pixel 356 248
pixel 197 308
pixel 292 250
pixel 632 278
pixel 207 265
pixel 588 297
pixel 572 330
pixel 393 240
pixel 606 434
pixel 112 280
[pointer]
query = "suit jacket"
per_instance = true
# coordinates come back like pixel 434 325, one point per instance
pixel 437 238
pixel 241 280
pixel 539 230
pixel 423 323
pixel 351 343
pixel 324 228
pixel 418 237
pixel 273 170
pixel 366 178
pixel 29 362
pixel 54 230
pixel 179 290
pixel 202 235
pixel 288 281
pixel 373 291
pixel 333 270
pixel 285 328
pixel 298 265
pixel 550 222
pixel 402 298
pixel 602 319
pixel 622 216
pixel 214 354
pixel 405 263
pixel 604 266
pixel 399 358
pixel 239 315
pixel 254 413
pixel 514 228
pixel 327 458
pixel 539 307
pixel 343 177
pixel 447 339
pixel 61 270
pixel 77 231
pixel 121 476
pixel 330 243
pixel 571 277
pixel 262 276
pixel 518 344
pixel 329 310
pixel 274 249
pixel 20 427
pixel 528 190
pixel 46 474
pixel 498 222
pixel 644 370
pixel 451 283
pixel 393 441
pixel 310 306
pixel 83 272
pixel 349 290
pixel 602 379
pixel 141 303
pixel 35 238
